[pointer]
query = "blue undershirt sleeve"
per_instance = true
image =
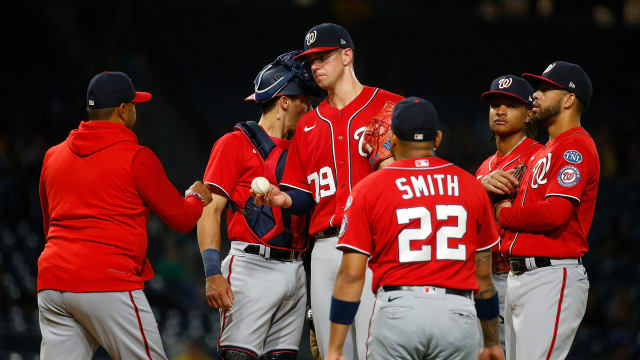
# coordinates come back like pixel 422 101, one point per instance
pixel 301 201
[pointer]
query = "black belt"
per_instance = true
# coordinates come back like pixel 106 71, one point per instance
pixel 275 254
pixel 328 232
pixel 459 292
pixel 519 264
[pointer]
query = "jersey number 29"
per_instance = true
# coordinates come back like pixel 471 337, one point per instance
pixel 443 251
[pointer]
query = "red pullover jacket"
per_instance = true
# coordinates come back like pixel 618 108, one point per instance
pixel 96 190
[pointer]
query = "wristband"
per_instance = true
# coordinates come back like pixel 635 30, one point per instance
pixel 199 196
pixel 343 312
pixel 487 309
pixel 211 261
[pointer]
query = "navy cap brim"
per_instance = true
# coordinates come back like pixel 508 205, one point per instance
pixel 488 94
pixel 300 57
pixel 141 96
pixel 535 79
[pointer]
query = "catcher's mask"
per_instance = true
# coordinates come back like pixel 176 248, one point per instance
pixel 284 76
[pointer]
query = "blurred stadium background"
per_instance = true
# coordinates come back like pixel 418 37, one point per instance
pixel 199 58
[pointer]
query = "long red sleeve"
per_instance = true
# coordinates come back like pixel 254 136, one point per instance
pixel 162 197
pixel 543 215
pixel 44 204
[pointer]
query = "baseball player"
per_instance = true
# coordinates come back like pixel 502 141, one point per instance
pixel 328 157
pixel 426 227
pixel 547 223
pixel 510 102
pixel 96 190
pixel 260 288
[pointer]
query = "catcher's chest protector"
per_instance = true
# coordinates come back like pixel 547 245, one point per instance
pixel 271 226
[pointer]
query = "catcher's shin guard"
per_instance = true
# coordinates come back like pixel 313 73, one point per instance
pixel 280 355
pixel 236 353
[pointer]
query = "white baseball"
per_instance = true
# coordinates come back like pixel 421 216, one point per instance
pixel 260 185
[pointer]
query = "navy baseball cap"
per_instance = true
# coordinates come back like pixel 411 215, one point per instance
pixel 112 88
pixel 325 37
pixel 415 119
pixel 510 85
pixel 284 76
pixel 567 76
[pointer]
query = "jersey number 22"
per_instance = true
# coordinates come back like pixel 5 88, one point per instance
pixel 443 251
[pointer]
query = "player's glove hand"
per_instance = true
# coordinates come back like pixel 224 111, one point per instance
pixel 218 292
pixel 504 184
pixel 377 136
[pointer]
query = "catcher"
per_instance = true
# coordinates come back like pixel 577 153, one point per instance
pixel 260 287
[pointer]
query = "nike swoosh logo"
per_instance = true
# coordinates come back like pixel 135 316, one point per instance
pixel 309 128
pixel 393 299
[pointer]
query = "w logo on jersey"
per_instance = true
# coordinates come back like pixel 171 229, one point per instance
pixel 539 175
pixel 359 135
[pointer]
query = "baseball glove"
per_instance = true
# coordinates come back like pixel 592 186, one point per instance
pixel 518 174
pixel 377 136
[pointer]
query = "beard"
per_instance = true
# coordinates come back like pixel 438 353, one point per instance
pixel 544 114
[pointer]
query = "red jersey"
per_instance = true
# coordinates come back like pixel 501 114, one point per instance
pixel 421 221
pixel 520 154
pixel 328 157
pixel 234 162
pixel 96 190
pixel 567 166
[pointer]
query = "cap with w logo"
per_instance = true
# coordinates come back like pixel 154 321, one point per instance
pixel 510 85
pixel 325 37
pixel 567 76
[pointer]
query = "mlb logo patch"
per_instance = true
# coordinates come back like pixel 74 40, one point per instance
pixel 422 163
pixel 429 290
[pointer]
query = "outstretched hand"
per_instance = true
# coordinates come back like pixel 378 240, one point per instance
pixel 274 197
pixel 201 189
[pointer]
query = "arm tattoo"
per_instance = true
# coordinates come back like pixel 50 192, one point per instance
pixel 482 258
pixel 490 333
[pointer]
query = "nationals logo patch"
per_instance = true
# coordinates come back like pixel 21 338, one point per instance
pixel 569 176
pixel 573 156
